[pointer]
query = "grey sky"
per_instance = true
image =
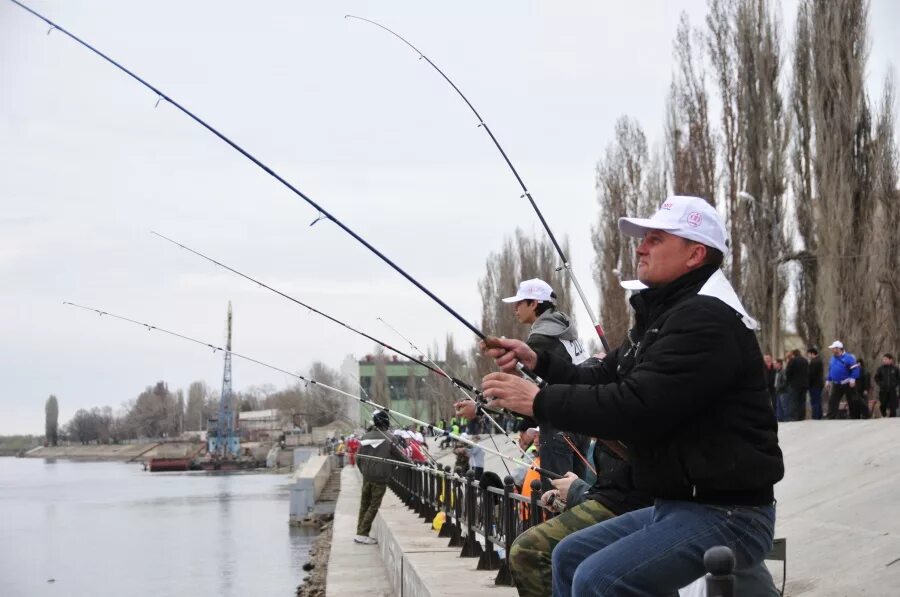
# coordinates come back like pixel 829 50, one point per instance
pixel 345 112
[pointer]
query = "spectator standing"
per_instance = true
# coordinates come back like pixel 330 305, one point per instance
pixel 781 396
pixel 863 385
pixel 841 381
pixel 771 372
pixel 816 381
pixel 352 449
pixel 376 473
pixel 887 376
pixel 797 377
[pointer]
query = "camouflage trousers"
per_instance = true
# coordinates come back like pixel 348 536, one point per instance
pixel 529 557
pixel 369 502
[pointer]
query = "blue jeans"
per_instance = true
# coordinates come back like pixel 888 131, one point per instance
pixel 815 402
pixel 657 550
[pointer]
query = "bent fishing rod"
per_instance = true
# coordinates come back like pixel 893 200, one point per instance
pixel 525 192
pixel 310 381
pixel 297 301
pixel 323 213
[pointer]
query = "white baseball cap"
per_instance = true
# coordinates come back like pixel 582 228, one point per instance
pixel 532 290
pixel 688 217
pixel 836 344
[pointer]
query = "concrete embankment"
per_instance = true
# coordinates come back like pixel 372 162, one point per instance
pixel 124 452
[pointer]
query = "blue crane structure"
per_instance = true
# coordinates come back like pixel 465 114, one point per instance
pixel 223 435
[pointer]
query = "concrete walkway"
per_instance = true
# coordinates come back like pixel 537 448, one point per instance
pixel 839 507
pixel 353 569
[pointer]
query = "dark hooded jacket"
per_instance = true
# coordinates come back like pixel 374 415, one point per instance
pixel 378 443
pixel 686 392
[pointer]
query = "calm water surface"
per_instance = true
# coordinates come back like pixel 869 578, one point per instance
pixel 104 528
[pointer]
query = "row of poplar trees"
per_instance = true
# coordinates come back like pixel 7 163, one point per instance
pixel 799 159
pixel 782 137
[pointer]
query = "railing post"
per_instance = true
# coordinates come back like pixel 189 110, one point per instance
pixel 719 563
pixel 508 512
pixel 446 489
pixel 534 519
pixel 471 546
pixel 428 479
pixel 456 488
pixel 489 559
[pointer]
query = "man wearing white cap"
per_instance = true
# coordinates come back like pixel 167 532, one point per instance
pixel 535 305
pixel 687 393
pixel 843 371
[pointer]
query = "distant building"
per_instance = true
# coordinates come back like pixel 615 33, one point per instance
pixel 408 391
pixel 261 425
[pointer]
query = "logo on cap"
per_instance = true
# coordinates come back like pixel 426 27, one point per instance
pixel 695 219
pixel 666 205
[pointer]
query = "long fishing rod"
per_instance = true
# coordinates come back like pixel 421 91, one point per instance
pixel 525 192
pixel 323 213
pixel 150 327
pixel 297 301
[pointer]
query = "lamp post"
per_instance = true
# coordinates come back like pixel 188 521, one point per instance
pixel 749 199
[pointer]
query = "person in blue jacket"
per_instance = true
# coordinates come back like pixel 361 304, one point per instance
pixel 843 371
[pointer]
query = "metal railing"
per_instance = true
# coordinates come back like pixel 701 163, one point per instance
pixel 474 508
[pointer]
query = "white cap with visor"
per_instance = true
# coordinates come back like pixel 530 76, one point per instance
pixel 688 217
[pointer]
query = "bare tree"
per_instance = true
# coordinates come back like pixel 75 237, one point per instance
pixel 194 416
pixel 764 135
pixel 624 187
pixel 722 45
pixel 844 154
pixel 322 406
pixel 692 152
pixel 807 317
pixel 887 239
pixel 51 421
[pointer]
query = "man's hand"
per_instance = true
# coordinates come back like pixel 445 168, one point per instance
pixel 510 391
pixel 466 408
pixel 545 497
pixel 563 485
pixel 828 385
pixel 852 382
pixel 506 353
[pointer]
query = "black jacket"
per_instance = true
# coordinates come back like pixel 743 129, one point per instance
pixel 614 487
pixel 797 373
pixel 888 378
pixel 816 373
pixel 378 443
pixel 686 392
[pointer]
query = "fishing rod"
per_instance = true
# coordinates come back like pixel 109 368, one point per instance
pixel 525 192
pixel 393 462
pixel 434 370
pixel 323 213
pixel 447 375
pixel 310 381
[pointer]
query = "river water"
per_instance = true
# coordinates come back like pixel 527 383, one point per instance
pixel 110 529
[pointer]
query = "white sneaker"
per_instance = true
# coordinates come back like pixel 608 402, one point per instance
pixel 365 540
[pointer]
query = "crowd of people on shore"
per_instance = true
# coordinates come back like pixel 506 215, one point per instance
pixel 799 386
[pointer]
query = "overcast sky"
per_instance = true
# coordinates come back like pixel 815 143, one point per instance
pixel 346 113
